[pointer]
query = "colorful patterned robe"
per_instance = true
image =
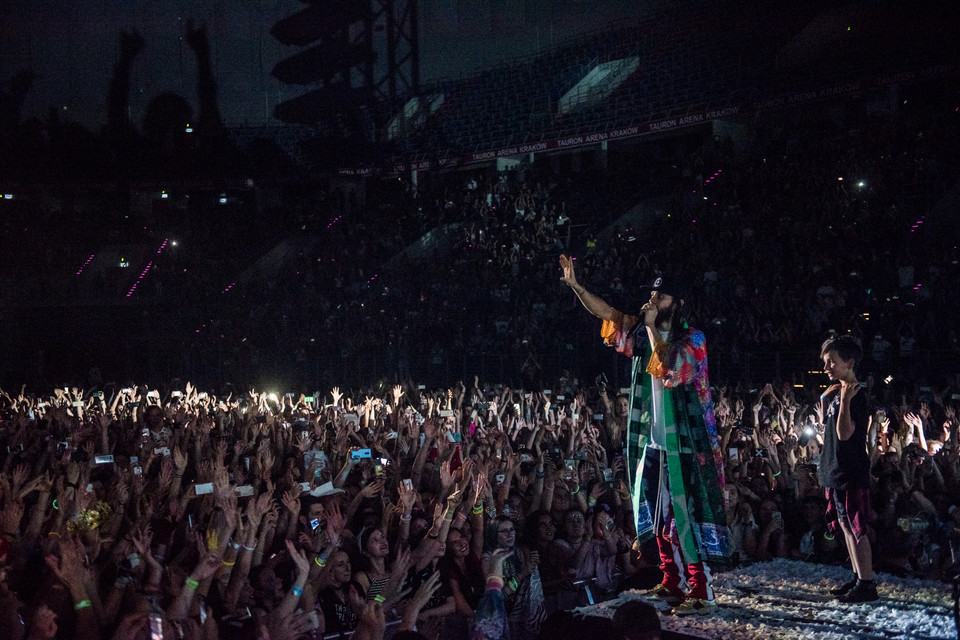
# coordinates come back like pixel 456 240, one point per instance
pixel 696 478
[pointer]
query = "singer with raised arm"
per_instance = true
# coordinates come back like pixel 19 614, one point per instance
pixel 673 453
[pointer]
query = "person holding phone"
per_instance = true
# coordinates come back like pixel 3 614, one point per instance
pixel 671 439
pixel 844 469
pixel 772 541
pixel 522 589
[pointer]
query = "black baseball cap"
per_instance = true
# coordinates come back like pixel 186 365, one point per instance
pixel 669 284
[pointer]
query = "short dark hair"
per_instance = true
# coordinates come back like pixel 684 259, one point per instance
pixel 846 347
pixel 564 625
pixel 636 620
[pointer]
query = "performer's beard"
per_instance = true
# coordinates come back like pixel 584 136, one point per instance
pixel 666 316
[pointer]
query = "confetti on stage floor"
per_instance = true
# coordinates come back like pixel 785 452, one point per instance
pixel 789 600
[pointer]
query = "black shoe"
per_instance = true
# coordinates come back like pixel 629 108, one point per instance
pixel 845 588
pixel 863 592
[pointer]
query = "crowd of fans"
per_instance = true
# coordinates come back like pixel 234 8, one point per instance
pixel 478 510
pixel 364 290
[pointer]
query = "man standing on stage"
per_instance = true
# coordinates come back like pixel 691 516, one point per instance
pixel 673 454
pixel 845 465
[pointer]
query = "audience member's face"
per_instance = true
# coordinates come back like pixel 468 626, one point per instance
pixel 506 535
pixel 811 512
pixel 767 508
pixel 154 418
pixel 457 544
pixel 516 508
pixel 546 529
pixel 432 548
pixel 573 524
pixel 731 495
pixel 340 570
pixel 600 523
pixel 316 511
pixel 377 545
pixel 914 457
pixel 418 527
pixel 622 406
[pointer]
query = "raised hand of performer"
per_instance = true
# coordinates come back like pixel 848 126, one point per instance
pixel 568 277
pixel 592 303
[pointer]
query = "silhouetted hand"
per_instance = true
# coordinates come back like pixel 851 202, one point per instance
pixel 131 43
pixel 197 39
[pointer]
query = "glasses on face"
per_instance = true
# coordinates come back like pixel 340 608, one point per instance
pixel 507 530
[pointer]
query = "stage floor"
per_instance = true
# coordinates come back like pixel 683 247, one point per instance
pixel 786 599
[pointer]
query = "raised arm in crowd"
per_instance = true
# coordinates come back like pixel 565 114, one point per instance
pixel 230 515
